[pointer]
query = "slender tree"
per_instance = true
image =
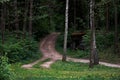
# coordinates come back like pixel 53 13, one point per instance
pixel 16 15
pixel 25 17
pixel 107 17
pixel 3 21
pixel 7 15
pixel 93 54
pixel 116 28
pixel 75 14
pixel 50 13
pixel 66 30
pixel 30 17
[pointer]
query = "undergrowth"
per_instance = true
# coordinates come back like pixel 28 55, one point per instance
pixel 105 47
pixel 72 53
pixel 67 71
pixel 6 72
pixel 19 48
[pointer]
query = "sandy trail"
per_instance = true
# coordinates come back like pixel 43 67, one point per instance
pixel 47 47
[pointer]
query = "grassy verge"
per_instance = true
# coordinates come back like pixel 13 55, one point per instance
pixel 67 71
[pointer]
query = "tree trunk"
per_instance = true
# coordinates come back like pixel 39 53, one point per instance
pixel 74 15
pixel 116 28
pixel 16 15
pixel 107 17
pixel 25 17
pixel 93 54
pixel 30 18
pixel 3 21
pixel 51 18
pixel 66 31
pixel 8 13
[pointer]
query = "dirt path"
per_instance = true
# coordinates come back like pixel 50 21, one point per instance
pixel 47 47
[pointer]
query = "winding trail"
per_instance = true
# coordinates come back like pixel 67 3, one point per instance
pixel 47 47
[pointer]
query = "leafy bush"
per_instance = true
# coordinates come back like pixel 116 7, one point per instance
pixel 86 40
pixel 60 40
pixel 5 70
pixel 77 53
pixel 72 53
pixel 102 40
pixel 19 49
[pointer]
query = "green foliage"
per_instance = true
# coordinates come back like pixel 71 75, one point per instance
pixel 47 17
pixel 86 40
pixel 78 53
pixel 41 32
pixel 105 46
pixel 19 49
pixel 108 56
pixel 103 40
pixel 60 40
pixel 67 71
pixel 5 70
pixel 73 53
pixel 2 1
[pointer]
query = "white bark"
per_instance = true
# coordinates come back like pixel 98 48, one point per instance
pixel 93 54
pixel 66 29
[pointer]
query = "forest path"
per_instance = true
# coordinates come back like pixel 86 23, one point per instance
pixel 47 47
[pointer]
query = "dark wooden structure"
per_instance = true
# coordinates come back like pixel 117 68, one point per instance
pixel 77 40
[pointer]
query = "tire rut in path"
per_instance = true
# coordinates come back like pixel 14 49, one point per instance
pixel 47 47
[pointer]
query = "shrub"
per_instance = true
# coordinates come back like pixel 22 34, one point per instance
pixel 19 49
pixel 5 70
pixel 102 40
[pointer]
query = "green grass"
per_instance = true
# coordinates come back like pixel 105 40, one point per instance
pixel 67 71
pixel 38 64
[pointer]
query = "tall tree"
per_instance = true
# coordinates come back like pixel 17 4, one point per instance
pixel 50 13
pixel 75 14
pixel 16 15
pixel 93 54
pixel 30 17
pixel 3 21
pixel 116 28
pixel 25 17
pixel 8 16
pixel 107 17
pixel 66 30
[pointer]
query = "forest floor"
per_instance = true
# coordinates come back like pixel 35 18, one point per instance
pixel 47 47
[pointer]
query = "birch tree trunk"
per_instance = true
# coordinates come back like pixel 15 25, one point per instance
pixel 66 31
pixel 93 53
pixel 30 17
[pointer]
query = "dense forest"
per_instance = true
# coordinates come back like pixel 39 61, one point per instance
pixel 86 31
